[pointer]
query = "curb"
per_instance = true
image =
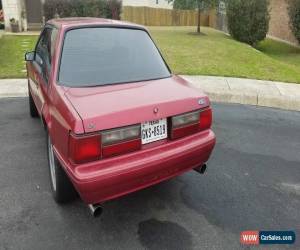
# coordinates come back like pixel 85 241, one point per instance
pixel 270 94
pixel 280 102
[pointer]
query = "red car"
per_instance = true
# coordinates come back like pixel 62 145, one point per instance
pixel 116 118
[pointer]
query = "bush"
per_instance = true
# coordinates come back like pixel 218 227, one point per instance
pixel 83 8
pixel 294 13
pixel 248 21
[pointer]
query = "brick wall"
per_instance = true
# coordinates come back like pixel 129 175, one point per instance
pixel 279 23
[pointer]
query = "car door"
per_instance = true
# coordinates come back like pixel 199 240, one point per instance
pixel 34 71
pixel 42 64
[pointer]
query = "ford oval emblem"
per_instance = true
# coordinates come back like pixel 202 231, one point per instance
pixel 202 101
pixel 155 110
pixel 91 125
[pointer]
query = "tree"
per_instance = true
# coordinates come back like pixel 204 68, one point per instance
pixel 199 5
pixel 294 12
pixel 82 8
pixel 248 21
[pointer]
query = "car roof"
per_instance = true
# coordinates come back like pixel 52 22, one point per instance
pixel 77 22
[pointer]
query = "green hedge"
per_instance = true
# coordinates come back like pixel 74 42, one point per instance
pixel 248 21
pixel 294 12
pixel 82 8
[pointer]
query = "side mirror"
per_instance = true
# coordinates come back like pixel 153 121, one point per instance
pixel 29 56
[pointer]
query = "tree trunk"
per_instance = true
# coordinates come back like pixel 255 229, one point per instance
pixel 199 20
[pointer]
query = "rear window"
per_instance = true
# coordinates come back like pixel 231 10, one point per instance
pixel 100 56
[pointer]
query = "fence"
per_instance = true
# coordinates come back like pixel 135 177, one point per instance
pixel 164 17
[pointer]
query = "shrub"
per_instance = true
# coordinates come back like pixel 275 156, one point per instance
pixel 114 9
pixel 248 21
pixel 83 8
pixel 294 13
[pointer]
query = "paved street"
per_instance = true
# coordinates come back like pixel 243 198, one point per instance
pixel 252 183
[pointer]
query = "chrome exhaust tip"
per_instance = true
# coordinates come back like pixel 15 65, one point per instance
pixel 201 169
pixel 95 209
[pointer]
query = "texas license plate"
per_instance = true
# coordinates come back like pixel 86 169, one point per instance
pixel 154 131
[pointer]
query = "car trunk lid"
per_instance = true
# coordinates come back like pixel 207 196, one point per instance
pixel 113 106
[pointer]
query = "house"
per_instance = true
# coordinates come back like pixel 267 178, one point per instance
pixel 29 12
pixel 279 25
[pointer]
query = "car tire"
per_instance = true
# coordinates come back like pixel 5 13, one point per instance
pixel 32 108
pixel 61 186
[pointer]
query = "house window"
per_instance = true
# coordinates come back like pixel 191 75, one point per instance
pixel 156 1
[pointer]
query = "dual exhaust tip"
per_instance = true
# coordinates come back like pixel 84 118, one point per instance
pixel 96 209
pixel 201 169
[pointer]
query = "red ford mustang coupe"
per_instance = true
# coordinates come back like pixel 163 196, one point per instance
pixel 116 118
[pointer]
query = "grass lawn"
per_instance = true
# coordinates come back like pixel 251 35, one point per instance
pixel 281 51
pixel 211 54
pixel 12 50
pixel 218 54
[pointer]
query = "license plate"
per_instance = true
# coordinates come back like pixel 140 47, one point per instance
pixel 154 131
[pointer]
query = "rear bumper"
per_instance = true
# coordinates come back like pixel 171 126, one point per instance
pixel 110 178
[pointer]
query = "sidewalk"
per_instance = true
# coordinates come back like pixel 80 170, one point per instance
pixel 248 91
pixel 220 89
pixel 13 88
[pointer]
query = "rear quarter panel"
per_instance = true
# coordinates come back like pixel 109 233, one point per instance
pixel 58 114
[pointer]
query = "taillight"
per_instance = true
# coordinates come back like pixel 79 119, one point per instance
pixel 120 134
pixel 185 131
pixel 185 119
pixel 205 119
pixel 190 123
pixel 84 149
pixel 87 148
pixel 121 148
pixel 113 142
pixel 121 140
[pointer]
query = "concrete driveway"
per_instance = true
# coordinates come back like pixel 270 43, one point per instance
pixel 252 183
